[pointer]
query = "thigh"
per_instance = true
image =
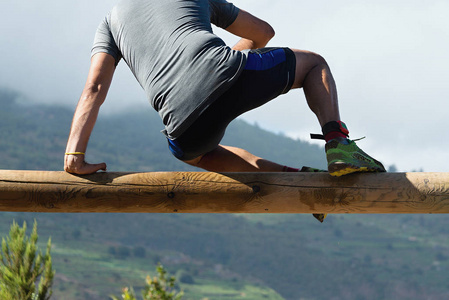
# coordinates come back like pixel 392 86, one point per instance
pixel 268 73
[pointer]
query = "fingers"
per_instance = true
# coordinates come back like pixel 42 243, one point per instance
pixel 80 167
pixel 92 168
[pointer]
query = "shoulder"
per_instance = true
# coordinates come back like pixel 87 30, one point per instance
pixel 222 12
pixel 219 3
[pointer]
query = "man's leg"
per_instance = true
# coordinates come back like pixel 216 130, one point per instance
pixel 314 76
pixel 232 159
pixel 267 74
pixel 343 155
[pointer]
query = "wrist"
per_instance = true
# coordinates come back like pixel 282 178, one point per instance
pixel 73 162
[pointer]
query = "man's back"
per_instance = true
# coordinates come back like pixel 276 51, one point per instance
pixel 171 50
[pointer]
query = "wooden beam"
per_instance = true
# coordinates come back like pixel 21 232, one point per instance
pixel 204 192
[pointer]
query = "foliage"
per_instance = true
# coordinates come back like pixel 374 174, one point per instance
pixel 293 254
pixel 139 251
pixel 160 287
pixel 185 277
pixel 122 252
pixel 21 266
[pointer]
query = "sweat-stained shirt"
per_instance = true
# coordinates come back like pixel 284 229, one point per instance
pixel 174 55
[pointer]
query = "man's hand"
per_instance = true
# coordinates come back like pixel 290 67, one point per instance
pixel 76 164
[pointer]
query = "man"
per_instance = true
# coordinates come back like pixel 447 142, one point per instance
pixel 199 85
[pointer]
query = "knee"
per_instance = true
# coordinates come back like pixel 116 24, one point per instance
pixel 318 60
pixel 194 162
pixel 206 161
pixel 307 62
pixel 308 58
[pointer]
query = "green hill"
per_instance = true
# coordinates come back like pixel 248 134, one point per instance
pixel 221 256
pixel 34 137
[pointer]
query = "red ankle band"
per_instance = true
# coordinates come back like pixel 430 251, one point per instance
pixel 334 135
pixel 335 129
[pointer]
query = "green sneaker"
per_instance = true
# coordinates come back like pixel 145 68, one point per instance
pixel 319 217
pixel 344 157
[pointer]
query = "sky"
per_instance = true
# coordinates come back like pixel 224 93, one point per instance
pixel 389 59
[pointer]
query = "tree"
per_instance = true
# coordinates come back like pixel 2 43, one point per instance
pixel 122 252
pixel 139 251
pixel 159 287
pixel 185 277
pixel 22 264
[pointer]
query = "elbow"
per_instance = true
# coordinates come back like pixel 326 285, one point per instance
pixel 92 88
pixel 93 95
pixel 267 34
pixel 270 33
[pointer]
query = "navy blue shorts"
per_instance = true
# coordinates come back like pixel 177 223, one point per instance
pixel 268 73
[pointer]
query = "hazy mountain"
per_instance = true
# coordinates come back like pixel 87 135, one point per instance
pixel 226 256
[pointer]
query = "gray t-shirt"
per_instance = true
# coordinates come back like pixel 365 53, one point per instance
pixel 171 50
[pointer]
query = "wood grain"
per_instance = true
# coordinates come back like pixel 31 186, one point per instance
pixel 205 192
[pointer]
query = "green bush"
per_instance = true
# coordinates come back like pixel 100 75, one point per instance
pixel 185 277
pixel 22 264
pixel 139 251
pixel 160 287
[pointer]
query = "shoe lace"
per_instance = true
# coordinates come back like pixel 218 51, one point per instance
pixel 315 136
pixel 359 139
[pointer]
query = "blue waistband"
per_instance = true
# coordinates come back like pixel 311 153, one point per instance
pixel 257 61
pixel 175 148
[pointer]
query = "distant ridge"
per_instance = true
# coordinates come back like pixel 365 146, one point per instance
pixel 129 141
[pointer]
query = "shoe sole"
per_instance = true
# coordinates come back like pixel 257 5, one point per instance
pixel 341 168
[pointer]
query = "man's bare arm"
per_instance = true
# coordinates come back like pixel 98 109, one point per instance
pixel 98 81
pixel 255 33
